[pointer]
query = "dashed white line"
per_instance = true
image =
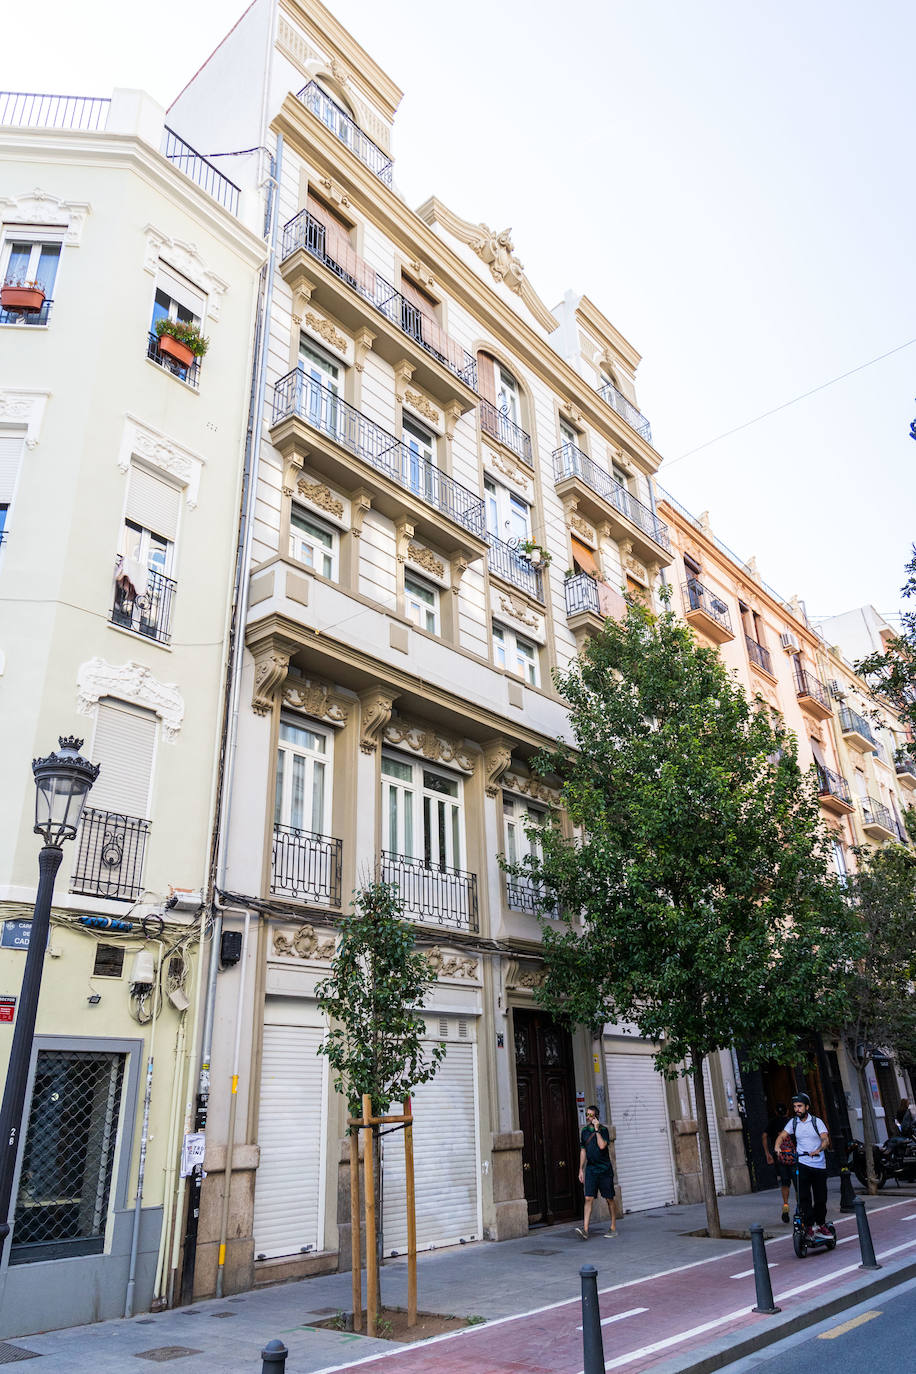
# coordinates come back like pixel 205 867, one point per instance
pixel 619 1316
pixel 746 1273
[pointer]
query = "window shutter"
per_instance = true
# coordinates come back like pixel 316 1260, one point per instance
pixel 585 557
pixel 181 291
pixel 818 752
pixel 152 503
pixel 125 737
pixel 486 378
pixel 10 456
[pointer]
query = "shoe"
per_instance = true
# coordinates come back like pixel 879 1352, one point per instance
pixel 610 1235
pixel 824 1232
pixel 583 1235
pixel 809 1232
pixel 785 1213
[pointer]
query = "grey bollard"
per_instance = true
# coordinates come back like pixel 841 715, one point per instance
pixel 865 1241
pixel 765 1303
pixel 847 1192
pixel 592 1343
pixel 274 1358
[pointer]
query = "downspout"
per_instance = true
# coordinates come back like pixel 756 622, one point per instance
pixel 233 1104
pixel 144 1141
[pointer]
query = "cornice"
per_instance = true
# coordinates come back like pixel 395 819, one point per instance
pixel 416 240
pixel 321 26
pixel 601 328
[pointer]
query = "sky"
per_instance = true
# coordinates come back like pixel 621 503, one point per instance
pixel 730 184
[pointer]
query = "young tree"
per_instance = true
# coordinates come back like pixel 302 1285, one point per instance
pixel 696 899
pixel 882 1004
pixel 893 672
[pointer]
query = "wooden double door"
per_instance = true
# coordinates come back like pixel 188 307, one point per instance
pixel 547 1117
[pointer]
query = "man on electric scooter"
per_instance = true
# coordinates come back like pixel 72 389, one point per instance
pixel 809 1136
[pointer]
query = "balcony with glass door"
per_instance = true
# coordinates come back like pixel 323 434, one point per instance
pixel 906 771
pixel 626 410
pixel 833 791
pixel 811 693
pixel 856 730
pixel 602 499
pixel 346 130
pixel 706 611
pixel 507 563
pixel 877 821
pixel 590 602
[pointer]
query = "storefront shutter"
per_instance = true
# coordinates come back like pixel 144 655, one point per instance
pixel 645 1170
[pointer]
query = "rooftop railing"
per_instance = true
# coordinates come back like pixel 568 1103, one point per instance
pixel 570 461
pixel 300 394
pixel 700 598
pixel 200 171
pixel 506 562
pixel 306 866
pixel 759 655
pixel 807 685
pixel 626 410
pixel 433 894
pixel 851 723
pixel 830 784
pixel 335 118
pixel 498 425
pixel 26 110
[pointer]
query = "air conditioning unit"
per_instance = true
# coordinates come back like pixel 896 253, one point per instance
pixel 836 689
pixel 789 642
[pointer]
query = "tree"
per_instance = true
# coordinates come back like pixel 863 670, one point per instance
pixel 882 1004
pixel 696 900
pixel 893 672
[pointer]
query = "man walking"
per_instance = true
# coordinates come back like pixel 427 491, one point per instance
pixel 596 1172
pixel 782 1166
pixel 809 1136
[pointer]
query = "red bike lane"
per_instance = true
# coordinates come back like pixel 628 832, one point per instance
pixel 647 1320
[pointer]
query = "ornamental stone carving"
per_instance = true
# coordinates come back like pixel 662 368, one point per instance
pixel 403 534
pixel 158 450
pixel 24 408
pixel 517 610
pixel 581 527
pixel 305 944
pixel 507 468
pixel 422 406
pixel 531 787
pixel 497 755
pixel 132 682
pixel 316 699
pixel 425 558
pixel 636 569
pixel 321 497
pixel 451 965
pixel 326 331
pixel 271 663
pixel 376 704
pixel 40 207
pixel 527 976
pixel 458 563
pixel 186 259
pixel 360 503
pixel 363 340
pixel 436 747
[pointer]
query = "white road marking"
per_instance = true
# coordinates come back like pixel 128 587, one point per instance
pixel 674 1340
pixel 746 1273
pixel 619 1316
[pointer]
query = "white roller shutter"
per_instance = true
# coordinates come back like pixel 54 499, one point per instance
pixel 10 458
pixel 715 1147
pixel 124 743
pixel 287 1197
pixel 153 503
pixel 445 1160
pixel 181 291
pixel 645 1169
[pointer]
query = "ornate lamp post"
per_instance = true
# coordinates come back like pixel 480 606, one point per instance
pixel 62 782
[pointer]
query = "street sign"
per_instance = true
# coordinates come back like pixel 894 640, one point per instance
pixel 15 934
pixel 7 1009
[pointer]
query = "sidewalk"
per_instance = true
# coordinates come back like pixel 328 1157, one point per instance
pixel 484 1280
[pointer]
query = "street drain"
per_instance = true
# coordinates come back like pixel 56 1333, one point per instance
pixel 222 1314
pixel 12 1354
pixel 540 1252
pixel 167 1352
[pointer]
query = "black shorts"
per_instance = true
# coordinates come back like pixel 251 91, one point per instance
pixel 785 1173
pixel 599 1179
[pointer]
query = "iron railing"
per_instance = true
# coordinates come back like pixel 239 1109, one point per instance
pixel 906 764
pixel 569 461
pixel 807 685
pixel 581 594
pixel 306 866
pixel 876 813
pixel 109 855
pixel 758 654
pixel 149 614
pixel 851 723
pixel 39 317
pixel 626 410
pixel 339 122
pixel 830 784
pixel 200 171
pixel 299 394
pixel 530 897
pixel 29 111
pixel 506 431
pixel 306 232
pixel 433 894
pixel 189 374
pixel 506 562
pixel 700 598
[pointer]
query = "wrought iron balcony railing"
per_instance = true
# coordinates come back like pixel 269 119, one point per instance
pixel 189 374
pixel 530 897
pixel 851 723
pixel 759 655
pixel 433 894
pixel 906 766
pixel 569 461
pixel 305 866
pixel 700 598
pixel 149 614
pixel 39 317
pixel 25 110
pixel 626 410
pixel 586 593
pixel 110 850
pixel 339 122
pixel 830 784
pixel 876 813
pixel 807 685
pixel 300 394
pixel 506 431
pixel 505 562
pixel 201 172
pixel 308 233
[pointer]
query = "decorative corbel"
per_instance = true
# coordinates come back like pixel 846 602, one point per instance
pixel 497 755
pixel 453 414
pixel 363 340
pixel 569 412
pixel 376 704
pixel 459 566
pixel 570 506
pixel 403 371
pixel 302 295
pixel 292 467
pixel 404 531
pixel 422 274
pixel 360 502
pixel 271 664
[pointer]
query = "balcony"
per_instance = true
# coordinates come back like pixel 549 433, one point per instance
pixel 589 602
pixel 626 410
pixel 877 821
pixel 530 897
pixel 339 122
pixel 189 374
pixel 505 562
pixel 433 895
pixel 33 317
pixel 603 500
pixel 759 656
pixel 812 694
pixel 305 867
pixel 352 451
pixel 706 611
pixel 833 791
pixel 149 614
pixel 318 259
pixel 110 851
pixel 200 171
pixel 906 771
pixel 856 730
pixel 498 426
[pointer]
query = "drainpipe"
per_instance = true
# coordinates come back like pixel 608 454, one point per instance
pixel 233 1103
pixel 144 1141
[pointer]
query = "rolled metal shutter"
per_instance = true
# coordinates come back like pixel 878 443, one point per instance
pixel 153 504
pixel 123 746
pixel 10 458
pixel 288 1190
pixel 645 1168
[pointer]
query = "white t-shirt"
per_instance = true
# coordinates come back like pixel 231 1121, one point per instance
pixel 807 1138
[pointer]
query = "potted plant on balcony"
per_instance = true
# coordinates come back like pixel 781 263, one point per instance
pixel 537 556
pixel 23 297
pixel 183 342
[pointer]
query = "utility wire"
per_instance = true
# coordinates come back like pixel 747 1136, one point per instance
pixel 670 462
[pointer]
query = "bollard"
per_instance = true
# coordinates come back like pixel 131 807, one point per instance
pixel 865 1241
pixel 847 1192
pixel 592 1343
pixel 274 1358
pixel 765 1303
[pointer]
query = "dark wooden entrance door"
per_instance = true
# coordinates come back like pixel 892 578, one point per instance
pixel 547 1116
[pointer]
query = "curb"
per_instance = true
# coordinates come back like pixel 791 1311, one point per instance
pixel 724 1351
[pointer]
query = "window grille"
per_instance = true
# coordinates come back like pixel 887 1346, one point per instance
pixel 68 1160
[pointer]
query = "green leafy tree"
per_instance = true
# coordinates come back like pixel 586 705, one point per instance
pixel 893 672
pixel 697 897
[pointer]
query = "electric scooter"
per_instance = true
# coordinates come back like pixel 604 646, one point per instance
pixel 800 1238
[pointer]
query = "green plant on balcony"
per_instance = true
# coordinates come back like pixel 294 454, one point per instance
pixel 186 334
pixel 535 553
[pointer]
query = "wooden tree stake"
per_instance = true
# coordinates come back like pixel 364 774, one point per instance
pixel 411 1217
pixel 371 1256
pixel 355 1247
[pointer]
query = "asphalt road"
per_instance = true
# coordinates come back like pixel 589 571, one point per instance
pixel 877 1335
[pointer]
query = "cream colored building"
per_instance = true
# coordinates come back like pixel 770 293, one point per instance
pixel 120 478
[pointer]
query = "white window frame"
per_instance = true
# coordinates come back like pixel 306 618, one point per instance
pixel 38 240
pixel 508 514
pixel 839 860
pixel 421 603
pixel 422 821
pixel 509 653
pixel 508 395
pixel 569 437
pixel 297 762
pixel 176 309
pixel 306 550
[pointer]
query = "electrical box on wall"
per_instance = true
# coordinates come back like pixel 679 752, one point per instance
pixel 230 948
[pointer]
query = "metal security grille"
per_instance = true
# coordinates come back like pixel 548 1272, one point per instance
pixel 62 1205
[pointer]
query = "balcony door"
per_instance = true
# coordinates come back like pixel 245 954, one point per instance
pixel 321 387
pixel 422 813
pixel 303 777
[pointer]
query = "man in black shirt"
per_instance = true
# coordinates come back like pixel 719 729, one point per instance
pixel 596 1172
pixel 783 1168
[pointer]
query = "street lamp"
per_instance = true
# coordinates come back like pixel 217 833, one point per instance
pixel 62 782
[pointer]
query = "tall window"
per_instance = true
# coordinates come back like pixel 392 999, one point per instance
pixel 422 812
pixel 421 602
pixel 26 263
pixel 569 439
pixel 313 543
pixel 839 860
pixel 144 583
pixel 303 777
pixel 507 395
pixel 517 815
pixel 111 845
pixel 323 386
pixel 11 449
pixel 515 654
pixel 508 516
pixel 418 461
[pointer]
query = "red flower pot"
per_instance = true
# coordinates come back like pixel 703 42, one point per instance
pixel 28 299
pixel 174 348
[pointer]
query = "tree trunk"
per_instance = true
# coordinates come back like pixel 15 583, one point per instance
pixel 379 1240
pixel 707 1177
pixel 869 1135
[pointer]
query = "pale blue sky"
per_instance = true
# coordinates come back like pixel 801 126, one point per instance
pixel 732 185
